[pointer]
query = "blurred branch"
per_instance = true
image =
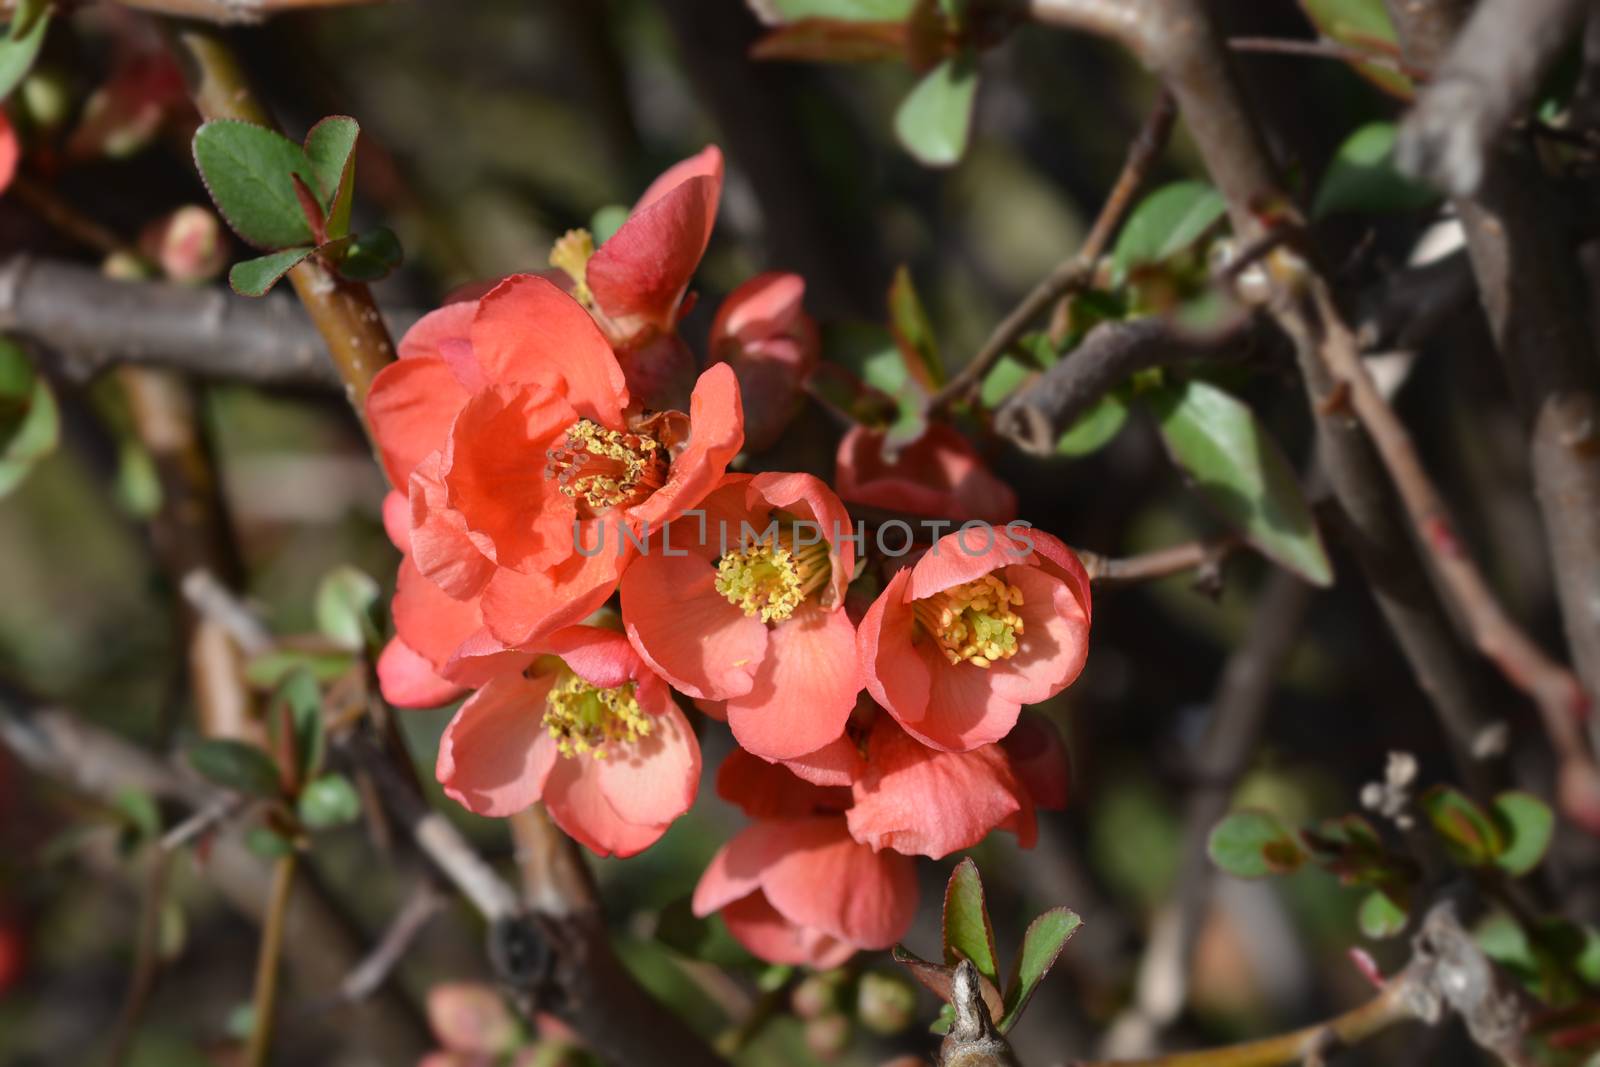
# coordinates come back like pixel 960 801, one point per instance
pixel 1324 50
pixel 1203 556
pixel 1490 75
pixel 342 311
pixel 1529 279
pixel 223 12
pixel 265 1000
pixel 424 902
pixel 1075 273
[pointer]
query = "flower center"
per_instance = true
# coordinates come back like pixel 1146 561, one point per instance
pixel 570 254
pixel 973 622
pixel 769 579
pixel 606 468
pixel 584 718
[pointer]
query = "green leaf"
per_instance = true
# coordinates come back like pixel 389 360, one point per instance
pixel 371 256
pixel 268 669
pixel 329 801
pixel 967 932
pixel 26 15
pixel 604 224
pixel 1362 24
pixel 1095 428
pixel 1379 917
pixel 140 810
pixel 30 426
pixel 934 121
pixel 19 50
pixel 1253 844
pixel 913 332
pixel 1527 824
pixel 877 359
pixel 329 147
pixel 1239 470
pixel 248 170
pixel 1362 177
pixel 775 11
pixel 1470 836
pixel 268 844
pixel 299 690
pixel 1165 223
pixel 1041 945
pixel 256 277
pixel 235 765
pixel 1006 376
pixel 344 602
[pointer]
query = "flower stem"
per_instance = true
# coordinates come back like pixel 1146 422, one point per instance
pixel 1383 1011
pixel 266 994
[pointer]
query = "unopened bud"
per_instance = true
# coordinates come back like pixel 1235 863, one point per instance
pixel 885 1003
pixel 46 98
pixel 827 1035
pixel 817 995
pixel 187 244
pixel 470 1017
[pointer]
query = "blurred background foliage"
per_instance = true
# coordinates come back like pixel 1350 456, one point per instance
pixel 489 128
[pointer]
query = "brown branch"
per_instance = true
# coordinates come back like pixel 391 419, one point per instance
pixel 1077 272
pixel 146 959
pixel 1489 76
pixel 407 924
pixel 1325 50
pixel 265 999
pixel 1529 279
pixel 1035 417
pixel 1202 556
pixel 343 312
pixel 222 12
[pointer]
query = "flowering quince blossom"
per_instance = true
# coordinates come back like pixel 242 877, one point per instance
pixel 744 603
pixel 509 424
pixel 634 283
pixel 9 152
pixel 764 334
pixel 985 621
pixel 939 474
pixel 589 730
pixel 794 886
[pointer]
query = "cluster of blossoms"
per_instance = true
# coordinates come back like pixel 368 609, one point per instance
pixel 552 448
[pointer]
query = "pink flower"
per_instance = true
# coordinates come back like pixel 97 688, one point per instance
pixel 9 152
pixel 509 425
pixel 925 802
pixel 590 731
pixel 1040 759
pixel 986 621
pixel 802 891
pixel 939 474
pixel 744 604
pixel 764 334
pixel 770 791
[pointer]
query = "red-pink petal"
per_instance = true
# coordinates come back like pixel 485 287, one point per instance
pixel 431 622
pixel 687 631
pixel 804 688
pixel 769 791
pixel 599 656
pixel 924 802
pixel 764 306
pixel 527 330
pixel 654 780
pixel 808 497
pixel 480 658
pixel 1057 559
pixel 523 609
pixel 716 433
pixel 397 519
pixel 1054 644
pixel 574 799
pixel 411 407
pixel 963 556
pixel 894 672
pixel 838 763
pixel 939 475
pixel 9 152
pixel 827 880
pixel 406 680
pixel 756 925
pixel 442 546
pixel 1040 759
pixel 706 163
pixel 495 757
pixel 965 706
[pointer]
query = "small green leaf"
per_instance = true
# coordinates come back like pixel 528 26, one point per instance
pixel 1041 945
pixel 344 602
pixel 1239 470
pixel 1006 376
pixel 329 147
pixel 18 50
pixel 329 801
pixel 299 690
pixel 235 765
pixel 876 358
pixel 248 170
pixel 913 332
pixel 1527 824
pixel 140 810
pixel 967 932
pixel 938 977
pixel 256 277
pixel 1365 25
pixel 1470 836
pixel 778 11
pixel 371 256
pixel 1253 844
pixel 604 224
pixel 30 425
pixel 25 16
pixel 934 121
pixel 1095 428
pixel 1165 223
pixel 1362 177
pixel 1379 917
pixel 267 670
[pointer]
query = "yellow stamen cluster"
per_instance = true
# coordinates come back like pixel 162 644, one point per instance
pixel 606 468
pixel 973 622
pixel 769 579
pixel 586 719
pixel 571 255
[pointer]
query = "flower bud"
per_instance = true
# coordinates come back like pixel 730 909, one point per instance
pixel 187 244
pixel 816 995
pixel 762 331
pixel 827 1035
pixel 46 97
pixel 885 1003
pixel 470 1017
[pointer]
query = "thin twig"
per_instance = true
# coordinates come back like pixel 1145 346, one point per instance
pixel 147 956
pixel 265 1001
pixel 424 902
pixel 1077 272
pixel 1324 49
pixel 1112 571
